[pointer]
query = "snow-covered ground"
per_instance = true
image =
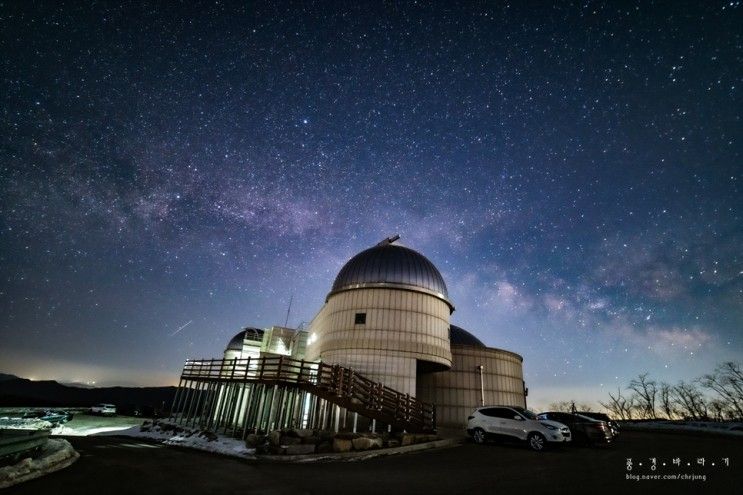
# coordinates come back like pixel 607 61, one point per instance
pixel 68 431
pixel 56 454
pixel 24 424
pixel 178 436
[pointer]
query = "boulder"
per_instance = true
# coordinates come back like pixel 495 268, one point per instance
pixel 300 449
pixel 407 439
pixel 253 440
pixel 274 437
pixel 290 440
pixel 324 447
pixel 311 440
pixel 342 445
pixel 326 435
pixel 303 432
pixel 276 450
pixel 393 442
pixel 365 443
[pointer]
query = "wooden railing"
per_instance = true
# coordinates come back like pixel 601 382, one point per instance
pixel 337 384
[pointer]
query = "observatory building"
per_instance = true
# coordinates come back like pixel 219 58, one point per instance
pixel 382 347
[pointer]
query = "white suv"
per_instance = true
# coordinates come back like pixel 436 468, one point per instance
pixel 104 409
pixel 515 422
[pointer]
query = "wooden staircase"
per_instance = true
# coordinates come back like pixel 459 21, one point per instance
pixel 336 384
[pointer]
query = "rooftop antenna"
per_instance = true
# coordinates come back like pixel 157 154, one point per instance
pixel 288 310
pixel 389 240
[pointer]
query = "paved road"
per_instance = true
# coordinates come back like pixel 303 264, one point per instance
pixel 110 465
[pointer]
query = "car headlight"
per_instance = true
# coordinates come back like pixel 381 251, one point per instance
pixel 550 427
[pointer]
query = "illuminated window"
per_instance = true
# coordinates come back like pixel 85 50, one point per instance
pixel 360 319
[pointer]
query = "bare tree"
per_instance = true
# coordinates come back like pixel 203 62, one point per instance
pixel 569 406
pixel 719 410
pixel 727 382
pixel 690 401
pixel 561 406
pixel 666 402
pixel 619 405
pixel 645 392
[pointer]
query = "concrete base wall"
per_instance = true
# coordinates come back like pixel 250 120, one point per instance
pixel 456 392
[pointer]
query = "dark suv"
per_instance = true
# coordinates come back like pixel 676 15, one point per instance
pixel 584 429
pixel 602 417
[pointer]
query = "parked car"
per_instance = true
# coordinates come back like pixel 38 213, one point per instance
pixel 602 417
pixel 53 416
pixel 508 422
pixel 584 429
pixel 104 409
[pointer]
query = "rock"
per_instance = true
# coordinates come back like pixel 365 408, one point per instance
pixel 289 433
pixel 209 435
pixel 324 447
pixel 253 440
pixel 300 449
pixel 365 443
pixel 393 442
pixel 311 440
pixel 346 435
pixel 407 439
pixel 277 450
pixel 303 432
pixel 326 435
pixel 342 445
pixel 290 440
pixel 274 437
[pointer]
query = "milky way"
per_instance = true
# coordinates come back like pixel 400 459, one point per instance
pixel 171 173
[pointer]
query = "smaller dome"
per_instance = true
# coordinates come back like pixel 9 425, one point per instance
pixel 460 336
pixel 236 343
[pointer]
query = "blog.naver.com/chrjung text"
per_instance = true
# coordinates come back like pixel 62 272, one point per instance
pixel 664 477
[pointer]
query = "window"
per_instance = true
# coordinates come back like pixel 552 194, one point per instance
pixel 360 319
pixel 492 412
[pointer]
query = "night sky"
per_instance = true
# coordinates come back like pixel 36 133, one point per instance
pixel 172 172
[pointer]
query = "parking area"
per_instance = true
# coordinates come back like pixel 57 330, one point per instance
pixel 87 424
pixel 82 423
pixel 124 465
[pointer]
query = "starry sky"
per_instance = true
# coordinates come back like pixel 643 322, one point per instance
pixel 171 172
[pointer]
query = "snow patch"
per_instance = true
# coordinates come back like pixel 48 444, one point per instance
pixel 24 424
pixel 178 436
pixel 56 454
pixel 221 445
pixel 66 431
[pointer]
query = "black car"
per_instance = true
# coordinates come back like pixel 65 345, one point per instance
pixel 584 429
pixel 602 417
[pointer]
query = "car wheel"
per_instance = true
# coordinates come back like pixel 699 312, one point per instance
pixel 536 442
pixel 479 436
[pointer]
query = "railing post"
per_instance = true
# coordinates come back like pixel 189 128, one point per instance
pixel 301 371
pixel 339 372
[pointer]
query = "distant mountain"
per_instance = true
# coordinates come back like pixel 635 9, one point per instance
pixel 5 376
pixel 77 384
pixel 20 392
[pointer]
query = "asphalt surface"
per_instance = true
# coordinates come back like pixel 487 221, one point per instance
pixel 112 465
